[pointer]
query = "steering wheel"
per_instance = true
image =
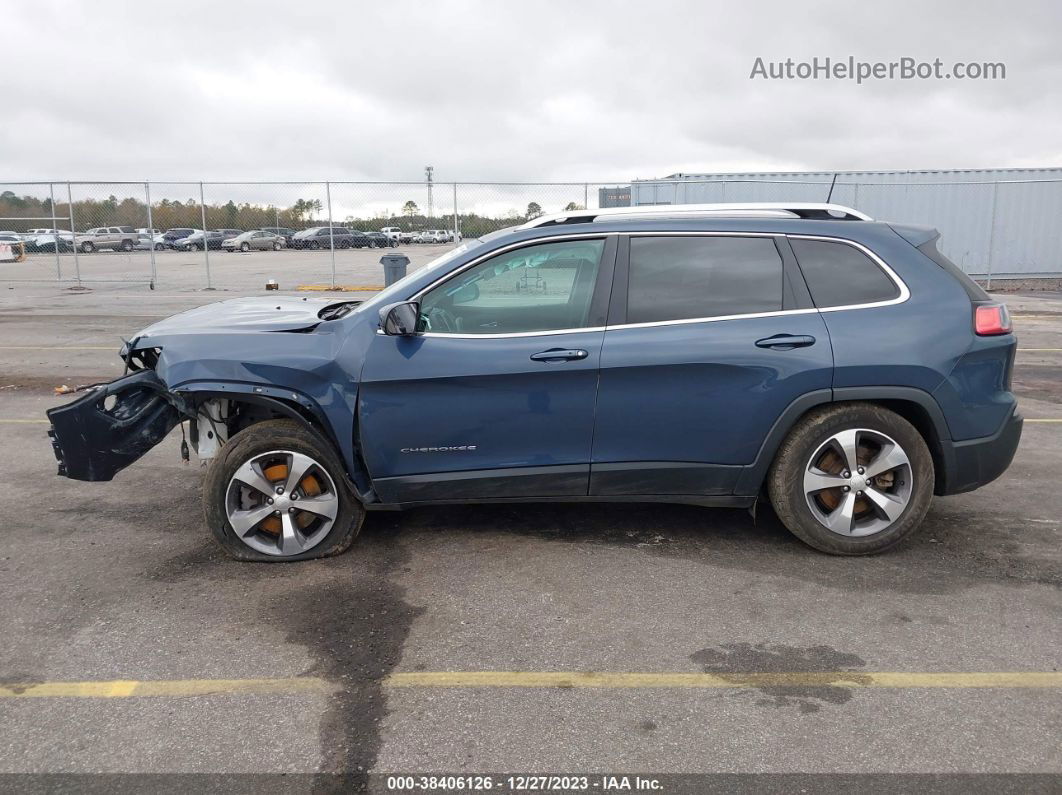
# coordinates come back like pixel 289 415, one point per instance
pixel 440 319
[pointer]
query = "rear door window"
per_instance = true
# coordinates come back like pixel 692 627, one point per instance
pixel 684 278
pixel 838 274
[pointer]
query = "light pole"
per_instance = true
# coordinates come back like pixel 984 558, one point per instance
pixel 428 170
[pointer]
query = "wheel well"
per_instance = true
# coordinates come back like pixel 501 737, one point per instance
pixel 248 410
pixel 923 423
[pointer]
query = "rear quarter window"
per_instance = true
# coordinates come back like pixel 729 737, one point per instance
pixel 838 274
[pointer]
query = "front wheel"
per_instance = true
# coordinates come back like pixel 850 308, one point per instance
pixel 87 248
pixel 245 247
pixel 277 247
pixel 277 492
pixel 852 479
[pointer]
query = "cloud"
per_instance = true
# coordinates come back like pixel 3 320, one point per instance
pixel 503 91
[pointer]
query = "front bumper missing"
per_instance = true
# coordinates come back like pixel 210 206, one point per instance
pixel 108 429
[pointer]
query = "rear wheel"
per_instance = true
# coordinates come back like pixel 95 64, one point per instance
pixel 87 247
pixel 127 245
pixel 245 247
pixel 277 246
pixel 852 479
pixel 276 492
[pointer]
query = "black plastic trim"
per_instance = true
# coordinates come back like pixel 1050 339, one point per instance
pixel 724 501
pixel 980 461
pixel 662 477
pixel 543 483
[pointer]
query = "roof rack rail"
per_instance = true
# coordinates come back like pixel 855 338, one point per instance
pixel 807 210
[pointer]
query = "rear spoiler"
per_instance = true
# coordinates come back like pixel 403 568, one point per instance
pixel 915 235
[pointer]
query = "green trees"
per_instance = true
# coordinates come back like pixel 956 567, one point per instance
pixel 534 210
pixel 410 208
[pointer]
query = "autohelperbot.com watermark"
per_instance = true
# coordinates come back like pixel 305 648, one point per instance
pixel 850 68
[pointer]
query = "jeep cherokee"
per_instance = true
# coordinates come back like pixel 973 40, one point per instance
pixel 709 354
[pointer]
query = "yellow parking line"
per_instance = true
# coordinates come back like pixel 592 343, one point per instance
pixel 1028 420
pixel 60 348
pixel 182 688
pixel 23 422
pixel 848 679
pixel 1039 350
pixel 130 688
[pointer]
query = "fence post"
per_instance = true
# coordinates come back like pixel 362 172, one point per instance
pixel 151 233
pixel 586 196
pixel 331 231
pixel 206 245
pixel 58 239
pixel 992 235
pixel 455 214
pixel 70 206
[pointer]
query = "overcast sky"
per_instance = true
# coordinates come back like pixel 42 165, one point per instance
pixel 501 90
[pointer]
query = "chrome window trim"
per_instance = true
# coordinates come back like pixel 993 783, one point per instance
pixel 904 295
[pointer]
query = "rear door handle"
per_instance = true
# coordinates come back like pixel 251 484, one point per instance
pixel 785 342
pixel 559 355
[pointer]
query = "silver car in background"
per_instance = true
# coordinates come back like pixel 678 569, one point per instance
pixel 256 240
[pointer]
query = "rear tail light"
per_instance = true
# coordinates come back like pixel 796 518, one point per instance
pixel 991 319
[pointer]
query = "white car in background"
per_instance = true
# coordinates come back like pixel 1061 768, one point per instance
pixel 146 241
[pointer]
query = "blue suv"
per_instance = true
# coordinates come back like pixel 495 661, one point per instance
pixel 708 354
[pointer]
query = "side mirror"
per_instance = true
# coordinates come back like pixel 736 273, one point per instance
pixel 400 320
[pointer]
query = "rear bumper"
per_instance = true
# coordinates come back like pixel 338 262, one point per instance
pixel 93 440
pixel 977 462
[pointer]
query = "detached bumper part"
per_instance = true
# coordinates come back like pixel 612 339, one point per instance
pixel 108 429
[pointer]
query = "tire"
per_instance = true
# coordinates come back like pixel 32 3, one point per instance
pixel 127 245
pixel 159 247
pixel 245 247
pixel 277 247
pixel 315 245
pixel 87 247
pixel 269 443
pixel 811 457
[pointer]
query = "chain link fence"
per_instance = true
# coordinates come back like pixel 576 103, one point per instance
pixel 135 233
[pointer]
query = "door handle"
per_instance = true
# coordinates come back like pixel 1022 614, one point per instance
pixel 785 342
pixel 559 355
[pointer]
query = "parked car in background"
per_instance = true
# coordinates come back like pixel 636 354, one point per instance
pixel 152 232
pixel 406 237
pixel 381 240
pixel 146 242
pixel 319 237
pixel 194 242
pixel 393 232
pixel 171 236
pixel 214 239
pixel 282 231
pixel 256 240
pixel 806 324
pixel 116 238
pixel 45 240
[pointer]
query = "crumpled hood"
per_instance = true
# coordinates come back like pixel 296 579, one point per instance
pixel 282 313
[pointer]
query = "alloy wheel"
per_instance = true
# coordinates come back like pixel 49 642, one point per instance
pixel 858 482
pixel 281 503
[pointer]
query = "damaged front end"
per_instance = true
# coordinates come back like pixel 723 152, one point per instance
pixel 112 426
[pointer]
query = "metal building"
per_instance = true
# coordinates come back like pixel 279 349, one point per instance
pixel 1002 223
